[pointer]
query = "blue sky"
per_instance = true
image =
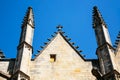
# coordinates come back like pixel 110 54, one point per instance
pixel 74 15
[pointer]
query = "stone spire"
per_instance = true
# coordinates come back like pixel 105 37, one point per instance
pixel 28 19
pixel 28 22
pixel 25 49
pixel 101 30
pixel 97 17
pixel 105 50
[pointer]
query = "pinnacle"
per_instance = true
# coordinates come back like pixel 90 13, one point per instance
pixel 29 16
pixel 29 7
pixel 96 11
pixel 95 8
pixel 97 17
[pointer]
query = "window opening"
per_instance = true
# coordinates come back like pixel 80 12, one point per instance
pixel 52 57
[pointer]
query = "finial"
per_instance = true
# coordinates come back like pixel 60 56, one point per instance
pixel 95 7
pixel 97 17
pixel 96 12
pixel 29 7
pixel 59 27
pixel 29 18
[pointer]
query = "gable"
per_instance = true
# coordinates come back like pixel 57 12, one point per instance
pixel 60 45
pixel 67 62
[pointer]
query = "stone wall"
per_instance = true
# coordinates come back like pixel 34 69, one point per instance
pixel 1 78
pixel 68 64
pixel 6 66
pixel 118 57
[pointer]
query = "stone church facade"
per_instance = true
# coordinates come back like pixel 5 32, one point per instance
pixel 59 59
